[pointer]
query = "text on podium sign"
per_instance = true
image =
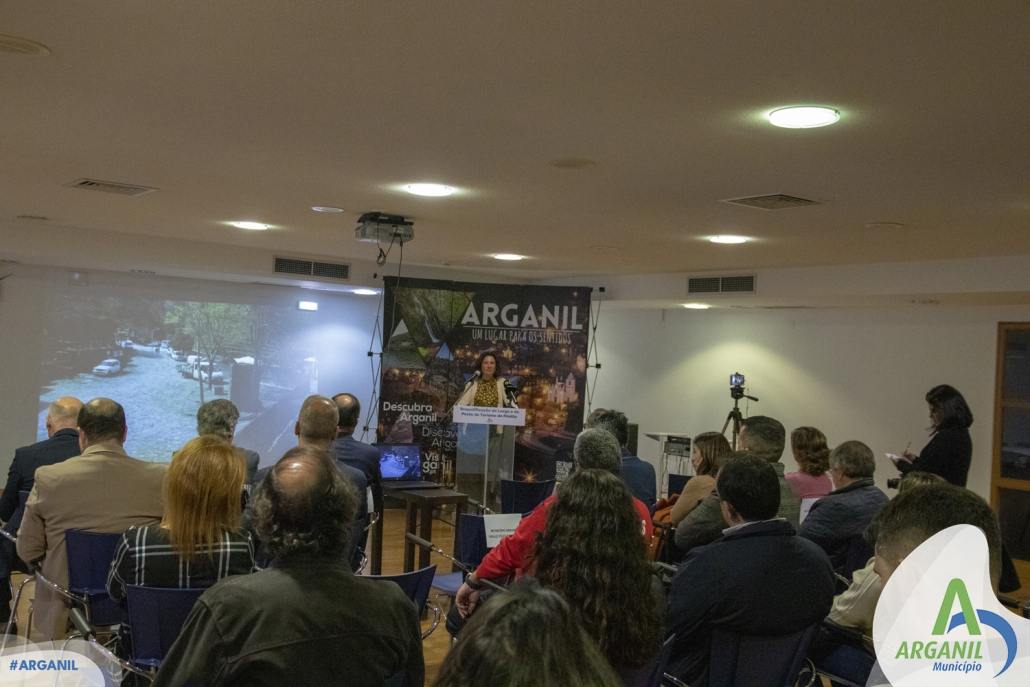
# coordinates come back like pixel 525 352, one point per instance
pixel 480 415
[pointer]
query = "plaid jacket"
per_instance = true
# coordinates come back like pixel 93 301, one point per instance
pixel 145 557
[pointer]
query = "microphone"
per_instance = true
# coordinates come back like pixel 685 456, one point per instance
pixel 473 379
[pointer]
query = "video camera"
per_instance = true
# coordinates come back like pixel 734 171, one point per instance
pixel 737 386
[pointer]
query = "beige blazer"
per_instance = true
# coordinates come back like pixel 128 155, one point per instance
pixel 103 490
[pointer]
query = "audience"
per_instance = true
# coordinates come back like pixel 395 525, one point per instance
pixel 102 490
pixel 594 448
pixel 199 540
pixel 836 521
pixel 219 417
pixel 62 442
pixel 592 552
pixel 708 451
pixel 638 474
pixel 525 637
pixel 764 438
pixel 703 523
pixel 812 455
pixel 350 452
pixel 306 620
pixel 759 578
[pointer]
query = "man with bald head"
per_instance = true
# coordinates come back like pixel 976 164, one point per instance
pixel 306 619
pixel 101 490
pixel 62 442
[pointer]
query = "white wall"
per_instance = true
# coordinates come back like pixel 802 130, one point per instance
pixel 856 374
pixel 344 332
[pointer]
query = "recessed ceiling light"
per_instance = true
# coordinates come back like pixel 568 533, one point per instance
pixel 728 238
pixel 696 306
pixel 508 256
pixel 310 306
pixel 803 117
pixel 429 190
pixel 327 209
pixel 250 226
pixel 365 292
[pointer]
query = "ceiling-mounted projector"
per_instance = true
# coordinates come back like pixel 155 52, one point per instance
pixel 379 227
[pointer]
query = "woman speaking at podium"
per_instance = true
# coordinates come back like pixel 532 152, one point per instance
pixel 486 388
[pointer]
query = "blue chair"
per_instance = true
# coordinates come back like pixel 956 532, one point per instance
pixel 9 532
pixel 156 616
pixel 842 655
pixel 469 548
pixel 416 585
pixel 89 560
pixel 522 497
pixel 758 661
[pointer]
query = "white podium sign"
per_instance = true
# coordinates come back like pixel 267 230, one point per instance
pixel 480 415
pixel 499 526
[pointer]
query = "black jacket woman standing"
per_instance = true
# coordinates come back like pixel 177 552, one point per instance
pixel 950 450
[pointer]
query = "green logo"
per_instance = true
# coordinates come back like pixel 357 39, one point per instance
pixel 956 589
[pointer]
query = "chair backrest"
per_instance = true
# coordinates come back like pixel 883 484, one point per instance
pixel 156 616
pixel 89 559
pixel 470 539
pixel 415 584
pixel 522 497
pixel 758 661
pixel 677 483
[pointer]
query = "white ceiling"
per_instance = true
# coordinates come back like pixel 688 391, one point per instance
pixel 257 109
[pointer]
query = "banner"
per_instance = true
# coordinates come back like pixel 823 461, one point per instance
pixel 434 332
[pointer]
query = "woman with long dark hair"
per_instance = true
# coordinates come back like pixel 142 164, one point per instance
pixel 708 451
pixel 592 552
pixel 950 450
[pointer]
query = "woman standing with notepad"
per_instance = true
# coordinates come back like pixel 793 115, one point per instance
pixel 950 450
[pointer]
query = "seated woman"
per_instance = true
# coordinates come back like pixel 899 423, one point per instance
pixel 811 481
pixel 199 540
pixel 592 552
pixel 525 637
pixel 707 452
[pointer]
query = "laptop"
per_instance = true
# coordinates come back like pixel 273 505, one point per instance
pixel 401 467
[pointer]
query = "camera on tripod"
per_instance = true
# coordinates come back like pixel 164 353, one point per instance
pixel 737 386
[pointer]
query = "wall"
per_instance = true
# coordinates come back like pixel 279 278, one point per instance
pixel 344 325
pixel 855 374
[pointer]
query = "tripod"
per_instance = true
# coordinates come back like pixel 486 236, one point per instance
pixel 734 415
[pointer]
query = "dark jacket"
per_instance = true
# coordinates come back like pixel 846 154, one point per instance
pixel 251 459
pixel 350 451
pixel 836 523
pixel 948 454
pixel 640 478
pixel 761 579
pixel 311 622
pixel 62 445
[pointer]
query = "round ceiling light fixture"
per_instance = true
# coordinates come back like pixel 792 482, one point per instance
pixel 249 225
pixel 696 306
pixel 803 117
pixel 326 209
pixel 509 257
pixel 429 190
pixel 728 238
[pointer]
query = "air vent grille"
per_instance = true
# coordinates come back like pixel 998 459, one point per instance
pixel 111 187
pixel 312 268
pixel 775 201
pixel 744 283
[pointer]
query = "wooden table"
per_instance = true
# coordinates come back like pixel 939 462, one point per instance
pixel 419 504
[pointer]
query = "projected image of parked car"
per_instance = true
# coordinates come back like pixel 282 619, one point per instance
pixel 108 367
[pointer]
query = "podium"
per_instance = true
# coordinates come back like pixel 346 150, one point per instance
pixel 486 450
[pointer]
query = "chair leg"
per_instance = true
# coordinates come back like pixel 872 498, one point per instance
pixel 14 610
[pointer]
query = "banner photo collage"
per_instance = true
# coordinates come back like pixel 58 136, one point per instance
pixel 435 331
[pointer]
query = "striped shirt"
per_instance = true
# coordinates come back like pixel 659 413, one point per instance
pixel 145 557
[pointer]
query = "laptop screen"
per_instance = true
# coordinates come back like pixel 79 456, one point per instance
pixel 400 461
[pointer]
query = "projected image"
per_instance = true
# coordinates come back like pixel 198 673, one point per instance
pixel 400 461
pixel 162 359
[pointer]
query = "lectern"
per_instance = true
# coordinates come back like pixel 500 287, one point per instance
pixel 486 450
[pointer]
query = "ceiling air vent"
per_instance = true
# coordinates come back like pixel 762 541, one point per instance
pixel 312 268
pixel 734 284
pixel 775 201
pixel 111 187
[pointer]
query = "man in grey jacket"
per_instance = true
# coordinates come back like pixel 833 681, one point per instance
pixel 764 437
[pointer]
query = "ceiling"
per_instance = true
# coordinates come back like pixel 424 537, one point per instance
pixel 257 109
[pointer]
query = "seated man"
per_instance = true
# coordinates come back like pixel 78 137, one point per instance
pixel 638 474
pixel 765 438
pixel 102 490
pixel 306 620
pixel 594 448
pixel 219 417
pixel 62 442
pixel 350 452
pixel 759 578
pixel 837 520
